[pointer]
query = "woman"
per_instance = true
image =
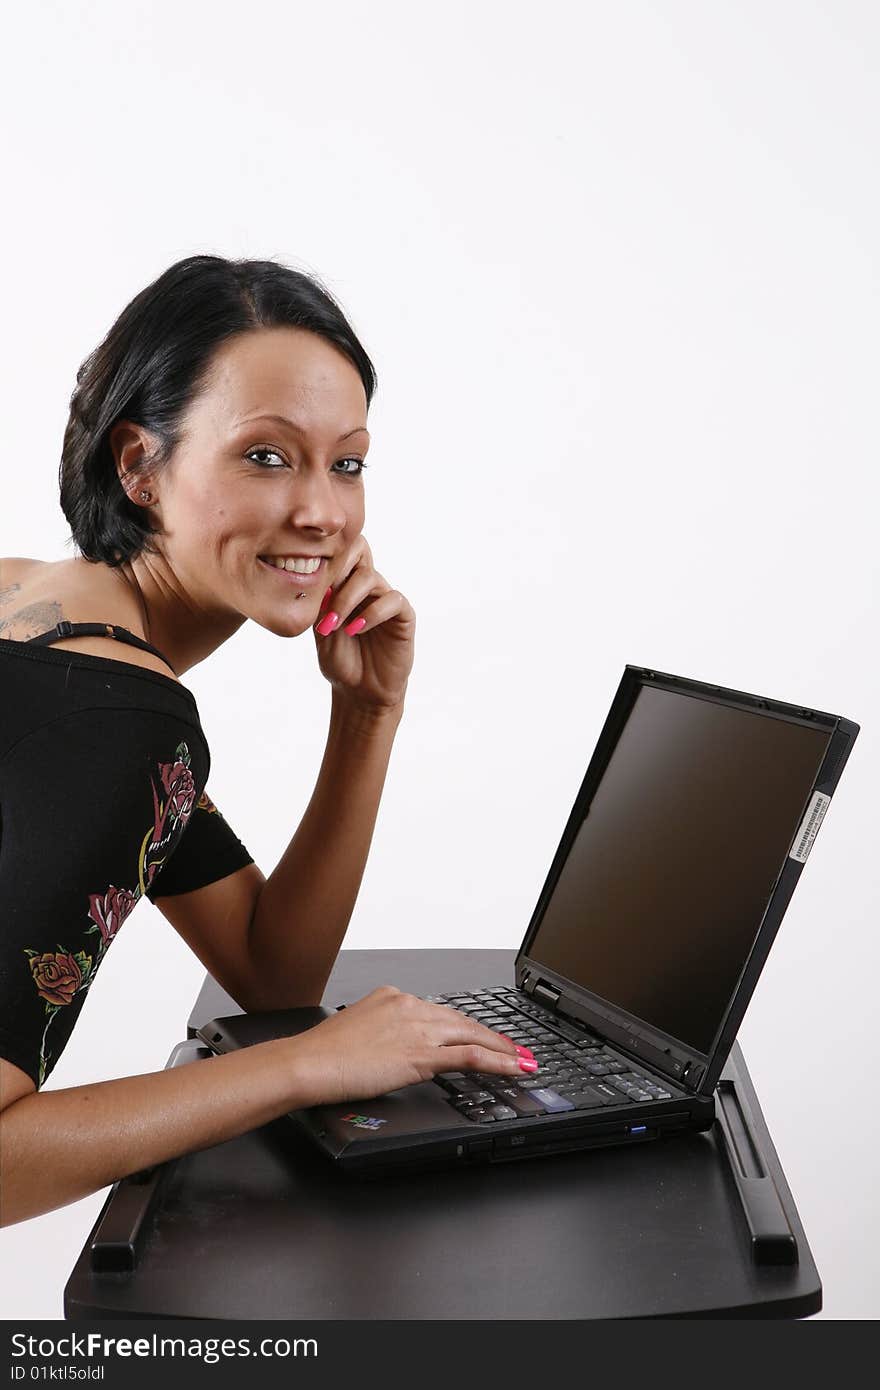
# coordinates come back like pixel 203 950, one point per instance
pixel 217 434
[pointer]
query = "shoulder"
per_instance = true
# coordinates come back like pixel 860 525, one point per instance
pixel 35 595
pixel 16 579
pixel 28 604
pixel 13 569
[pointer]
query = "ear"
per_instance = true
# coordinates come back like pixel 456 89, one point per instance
pixel 130 444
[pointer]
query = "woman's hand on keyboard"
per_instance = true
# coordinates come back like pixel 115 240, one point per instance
pixel 390 1039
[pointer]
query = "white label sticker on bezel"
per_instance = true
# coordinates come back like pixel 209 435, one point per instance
pixel 803 840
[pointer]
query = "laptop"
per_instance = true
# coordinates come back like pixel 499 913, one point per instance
pixel 696 815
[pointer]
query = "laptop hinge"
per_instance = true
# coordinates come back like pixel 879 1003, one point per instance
pixel 546 993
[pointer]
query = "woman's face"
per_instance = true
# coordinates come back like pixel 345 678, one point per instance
pixel 241 485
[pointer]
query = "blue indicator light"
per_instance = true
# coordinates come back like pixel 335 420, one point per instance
pixel 637 1129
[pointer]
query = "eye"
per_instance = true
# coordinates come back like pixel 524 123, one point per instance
pixel 264 449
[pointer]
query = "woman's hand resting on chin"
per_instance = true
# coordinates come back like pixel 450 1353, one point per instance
pixel 368 666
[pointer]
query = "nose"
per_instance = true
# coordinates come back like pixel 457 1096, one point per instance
pixel 316 503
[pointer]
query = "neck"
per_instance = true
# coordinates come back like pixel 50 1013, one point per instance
pixel 178 626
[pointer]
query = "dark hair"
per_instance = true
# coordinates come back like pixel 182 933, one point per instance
pixel 152 364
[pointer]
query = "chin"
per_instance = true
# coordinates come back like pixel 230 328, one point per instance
pixel 296 625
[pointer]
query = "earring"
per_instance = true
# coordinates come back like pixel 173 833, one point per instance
pixel 145 497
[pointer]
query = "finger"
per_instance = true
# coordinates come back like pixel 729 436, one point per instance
pixel 359 557
pixel 465 1029
pixel 356 593
pixel 372 615
pixel 496 1042
pixel 472 1057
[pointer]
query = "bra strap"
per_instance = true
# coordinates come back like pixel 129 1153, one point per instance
pixel 122 634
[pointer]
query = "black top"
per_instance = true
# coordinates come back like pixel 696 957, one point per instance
pixel 103 767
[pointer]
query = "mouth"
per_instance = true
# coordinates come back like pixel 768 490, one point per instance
pixel 293 576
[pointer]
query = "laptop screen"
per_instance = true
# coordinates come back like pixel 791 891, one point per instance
pixel 661 897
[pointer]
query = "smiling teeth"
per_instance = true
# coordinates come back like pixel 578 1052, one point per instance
pixel 296 566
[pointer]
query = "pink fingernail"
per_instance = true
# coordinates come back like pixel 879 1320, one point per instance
pixel 526 1052
pixel 355 627
pixel 528 1064
pixel 327 624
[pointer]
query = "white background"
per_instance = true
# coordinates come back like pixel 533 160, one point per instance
pixel 617 268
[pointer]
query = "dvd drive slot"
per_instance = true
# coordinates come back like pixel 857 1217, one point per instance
pixel 510 1145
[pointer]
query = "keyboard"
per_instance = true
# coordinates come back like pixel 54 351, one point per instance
pixel 576 1070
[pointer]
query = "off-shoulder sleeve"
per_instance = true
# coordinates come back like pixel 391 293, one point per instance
pixel 209 849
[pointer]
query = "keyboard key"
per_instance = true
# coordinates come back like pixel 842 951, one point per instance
pixel 463 1100
pixel 597 1069
pixel 586 1099
pixel 503 1112
pixel 521 1101
pixel 478 1113
pixel 552 1100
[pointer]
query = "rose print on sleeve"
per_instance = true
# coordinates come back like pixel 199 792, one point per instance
pixel 62 975
pixel 170 816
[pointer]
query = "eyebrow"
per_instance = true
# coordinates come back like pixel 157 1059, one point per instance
pixel 283 420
